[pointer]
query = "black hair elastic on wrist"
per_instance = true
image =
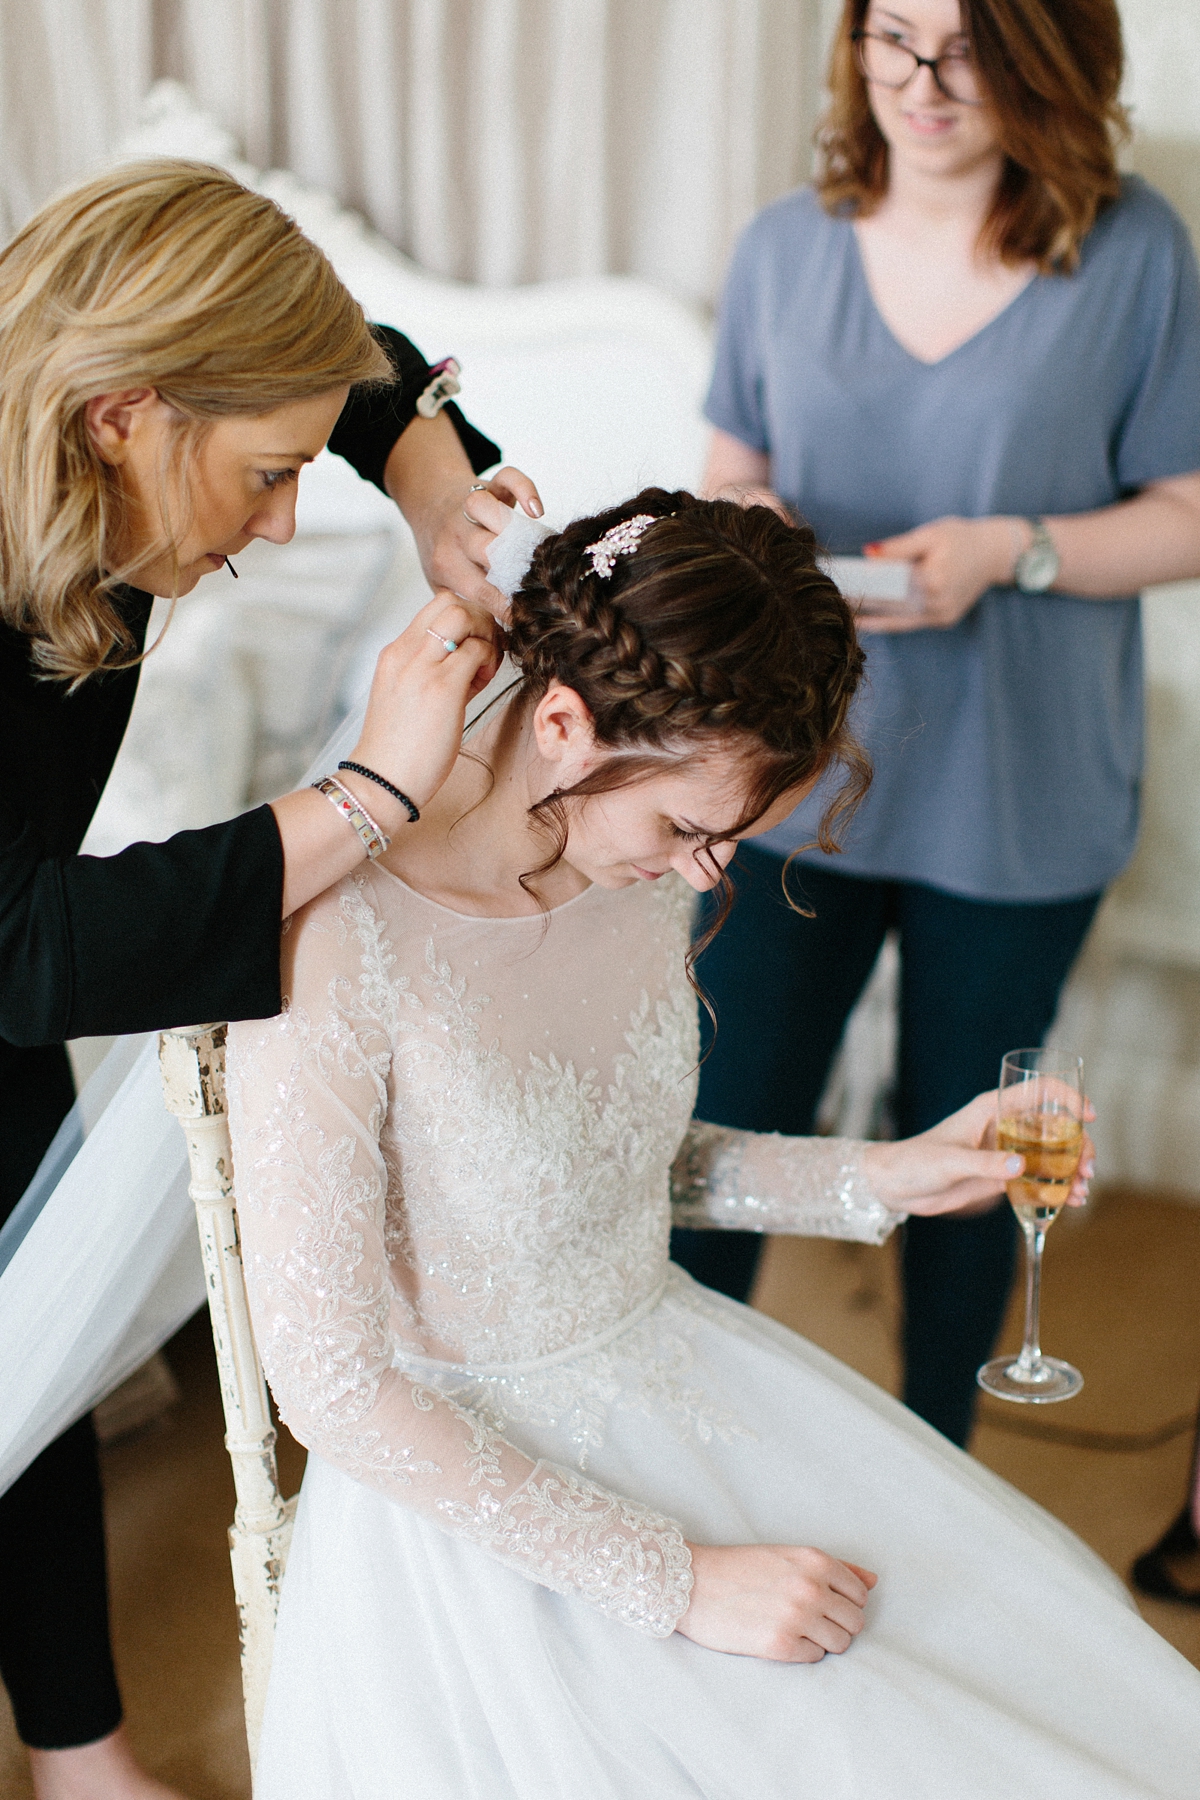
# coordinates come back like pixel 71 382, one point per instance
pixel 370 775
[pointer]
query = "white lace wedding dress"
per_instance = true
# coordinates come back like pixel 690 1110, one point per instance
pixel 456 1155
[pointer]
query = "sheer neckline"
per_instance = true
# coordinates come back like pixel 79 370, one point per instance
pixel 533 918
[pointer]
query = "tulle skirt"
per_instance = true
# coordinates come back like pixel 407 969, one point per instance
pixel 1000 1658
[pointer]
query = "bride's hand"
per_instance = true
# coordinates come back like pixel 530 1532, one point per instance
pixel 955 1166
pixel 777 1601
pixel 417 707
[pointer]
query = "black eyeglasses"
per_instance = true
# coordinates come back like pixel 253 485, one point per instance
pixel 893 65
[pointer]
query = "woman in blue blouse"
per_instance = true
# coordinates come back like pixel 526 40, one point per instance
pixel 973 346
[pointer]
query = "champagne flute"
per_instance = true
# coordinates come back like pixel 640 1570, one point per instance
pixel 1040 1109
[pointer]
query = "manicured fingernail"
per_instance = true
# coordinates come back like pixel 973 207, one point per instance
pixel 1088 1170
pixel 534 508
pixel 1014 1165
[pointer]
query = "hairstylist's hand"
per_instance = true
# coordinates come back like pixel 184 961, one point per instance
pixel 411 736
pixel 777 1601
pixel 954 562
pixel 417 706
pixel 471 519
pixel 955 1166
pixel 431 481
pixel 755 496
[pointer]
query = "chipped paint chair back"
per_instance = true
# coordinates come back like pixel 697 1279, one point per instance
pixel 193 1074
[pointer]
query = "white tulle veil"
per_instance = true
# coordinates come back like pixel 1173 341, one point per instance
pixel 99 1261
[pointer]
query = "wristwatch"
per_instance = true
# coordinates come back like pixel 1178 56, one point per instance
pixel 1036 568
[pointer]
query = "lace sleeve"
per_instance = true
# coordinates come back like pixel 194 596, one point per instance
pixel 760 1181
pixel 308 1096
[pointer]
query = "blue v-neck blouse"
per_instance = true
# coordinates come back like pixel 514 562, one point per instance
pixel 1008 749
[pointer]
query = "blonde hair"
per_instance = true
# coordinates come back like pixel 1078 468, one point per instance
pixel 161 274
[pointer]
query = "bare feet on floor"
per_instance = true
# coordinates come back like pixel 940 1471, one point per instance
pixel 105 1770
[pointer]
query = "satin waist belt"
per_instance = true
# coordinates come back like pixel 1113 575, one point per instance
pixel 569 1353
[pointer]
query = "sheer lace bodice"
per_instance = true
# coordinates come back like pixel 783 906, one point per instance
pixel 456 1151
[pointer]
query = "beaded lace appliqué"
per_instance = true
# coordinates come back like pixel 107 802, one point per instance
pixel 443 1242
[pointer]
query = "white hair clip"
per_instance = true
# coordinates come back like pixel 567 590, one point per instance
pixel 620 540
pixel 444 385
pixel 510 552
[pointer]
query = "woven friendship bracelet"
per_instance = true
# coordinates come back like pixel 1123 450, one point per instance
pixel 370 775
pixel 355 815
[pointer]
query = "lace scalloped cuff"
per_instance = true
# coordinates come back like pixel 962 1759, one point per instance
pixel 762 1181
pixel 562 1530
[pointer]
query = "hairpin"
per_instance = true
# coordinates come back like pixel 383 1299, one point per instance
pixel 442 387
pixel 619 540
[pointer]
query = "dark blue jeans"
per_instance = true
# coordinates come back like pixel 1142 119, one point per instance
pixel 977 978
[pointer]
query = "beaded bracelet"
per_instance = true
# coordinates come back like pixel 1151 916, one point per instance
pixel 370 775
pixel 355 815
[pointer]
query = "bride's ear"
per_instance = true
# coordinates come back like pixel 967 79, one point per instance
pixel 564 732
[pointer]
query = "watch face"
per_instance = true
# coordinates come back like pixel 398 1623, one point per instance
pixel 1037 568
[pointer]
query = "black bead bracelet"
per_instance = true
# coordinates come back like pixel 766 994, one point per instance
pixel 370 775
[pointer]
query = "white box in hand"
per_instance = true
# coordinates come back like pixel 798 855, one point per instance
pixel 881 580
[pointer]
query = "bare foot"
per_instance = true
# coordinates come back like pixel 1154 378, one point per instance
pixel 105 1770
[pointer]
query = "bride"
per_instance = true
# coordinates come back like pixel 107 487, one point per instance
pixel 552 1479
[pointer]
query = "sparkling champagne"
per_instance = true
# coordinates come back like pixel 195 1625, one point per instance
pixel 1039 1113
pixel 1052 1144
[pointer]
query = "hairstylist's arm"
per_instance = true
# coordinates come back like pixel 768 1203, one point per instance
pixel 1153 537
pixel 411 736
pixel 735 471
pixel 430 479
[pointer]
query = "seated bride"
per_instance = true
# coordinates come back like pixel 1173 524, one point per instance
pixel 556 1535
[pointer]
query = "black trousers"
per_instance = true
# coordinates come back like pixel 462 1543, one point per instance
pixel 977 978
pixel 54 1640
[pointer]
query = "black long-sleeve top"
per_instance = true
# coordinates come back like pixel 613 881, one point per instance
pixel 162 934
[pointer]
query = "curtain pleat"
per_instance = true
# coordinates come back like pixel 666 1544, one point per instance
pixel 498 141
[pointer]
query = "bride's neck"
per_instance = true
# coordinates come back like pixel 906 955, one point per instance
pixel 475 839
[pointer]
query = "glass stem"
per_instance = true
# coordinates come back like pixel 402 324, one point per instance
pixel 1031 1350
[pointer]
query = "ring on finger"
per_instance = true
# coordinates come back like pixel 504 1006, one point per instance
pixel 450 645
pixel 476 487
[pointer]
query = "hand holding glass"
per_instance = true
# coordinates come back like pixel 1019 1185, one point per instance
pixel 1040 1116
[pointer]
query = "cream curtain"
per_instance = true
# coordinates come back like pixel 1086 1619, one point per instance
pixel 499 141
pixel 71 75
pixel 503 141
pixel 507 141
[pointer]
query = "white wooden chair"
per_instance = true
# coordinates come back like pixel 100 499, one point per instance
pixel 193 1075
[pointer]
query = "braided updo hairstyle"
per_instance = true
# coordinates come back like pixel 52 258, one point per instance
pixel 719 627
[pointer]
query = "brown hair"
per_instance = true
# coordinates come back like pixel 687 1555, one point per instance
pixel 1050 71
pixel 720 626
pixel 161 274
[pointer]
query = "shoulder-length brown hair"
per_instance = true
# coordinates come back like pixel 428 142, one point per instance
pixel 1051 71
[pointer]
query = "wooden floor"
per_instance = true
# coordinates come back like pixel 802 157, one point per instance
pixel 1120 1300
